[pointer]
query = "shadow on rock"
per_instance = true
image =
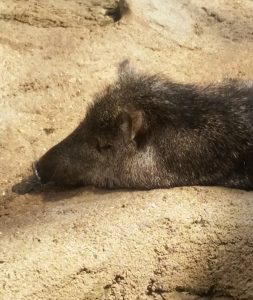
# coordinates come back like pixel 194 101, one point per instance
pixel 27 185
pixel 48 192
pixel 51 192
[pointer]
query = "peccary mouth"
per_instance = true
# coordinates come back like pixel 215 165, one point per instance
pixel 35 171
pixel 39 179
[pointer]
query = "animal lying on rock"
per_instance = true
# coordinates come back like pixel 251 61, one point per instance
pixel 145 132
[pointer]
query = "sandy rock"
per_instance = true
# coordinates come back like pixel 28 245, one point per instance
pixel 130 245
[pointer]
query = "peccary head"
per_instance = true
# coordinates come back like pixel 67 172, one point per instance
pixel 110 147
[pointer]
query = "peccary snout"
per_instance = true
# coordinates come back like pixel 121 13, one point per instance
pixel 61 164
pixel 148 132
pixel 52 167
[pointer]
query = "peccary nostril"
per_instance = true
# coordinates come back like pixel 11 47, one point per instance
pixel 35 171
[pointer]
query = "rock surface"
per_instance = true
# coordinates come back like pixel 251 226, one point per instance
pixel 183 243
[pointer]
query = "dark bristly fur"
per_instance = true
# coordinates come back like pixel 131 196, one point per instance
pixel 148 132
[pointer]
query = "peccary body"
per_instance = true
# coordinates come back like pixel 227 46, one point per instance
pixel 148 132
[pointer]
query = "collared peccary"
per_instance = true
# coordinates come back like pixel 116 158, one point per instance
pixel 145 131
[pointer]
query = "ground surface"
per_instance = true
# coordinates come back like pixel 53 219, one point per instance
pixel 89 244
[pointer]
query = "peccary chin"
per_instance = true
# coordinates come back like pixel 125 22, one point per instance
pixel 147 132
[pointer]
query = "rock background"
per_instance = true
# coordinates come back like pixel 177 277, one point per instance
pixel 183 243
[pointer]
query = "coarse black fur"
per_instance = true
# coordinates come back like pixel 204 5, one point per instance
pixel 145 131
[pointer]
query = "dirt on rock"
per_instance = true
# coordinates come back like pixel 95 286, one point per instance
pixel 177 244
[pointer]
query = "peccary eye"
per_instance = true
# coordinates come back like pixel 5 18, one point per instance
pixel 103 147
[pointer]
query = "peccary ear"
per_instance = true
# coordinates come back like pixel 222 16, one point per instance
pixel 125 68
pixel 132 124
